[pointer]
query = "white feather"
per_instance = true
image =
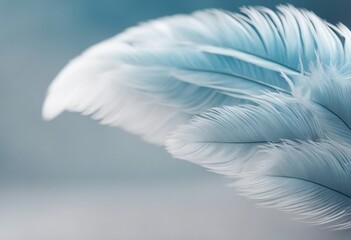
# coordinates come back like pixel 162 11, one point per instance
pixel 278 79
pixel 185 64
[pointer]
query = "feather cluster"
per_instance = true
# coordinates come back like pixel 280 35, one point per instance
pixel 260 96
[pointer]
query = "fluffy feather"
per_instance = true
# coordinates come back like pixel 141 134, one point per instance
pixel 237 142
pixel 311 179
pixel 186 64
pixel 277 85
pixel 109 101
pixel 330 87
pixel 226 139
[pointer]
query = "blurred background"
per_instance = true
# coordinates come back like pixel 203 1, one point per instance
pixel 74 179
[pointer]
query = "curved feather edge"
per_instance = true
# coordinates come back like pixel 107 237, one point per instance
pixel 219 57
pixel 309 179
pixel 227 140
pixel 95 92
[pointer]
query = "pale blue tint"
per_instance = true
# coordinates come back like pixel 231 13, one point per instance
pixel 74 179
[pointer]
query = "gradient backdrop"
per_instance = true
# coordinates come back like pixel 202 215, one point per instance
pixel 73 179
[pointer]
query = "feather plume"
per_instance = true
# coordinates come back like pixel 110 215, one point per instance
pixel 311 179
pixel 186 64
pixel 261 96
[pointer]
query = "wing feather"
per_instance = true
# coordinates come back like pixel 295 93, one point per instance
pixel 186 64
pixel 309 179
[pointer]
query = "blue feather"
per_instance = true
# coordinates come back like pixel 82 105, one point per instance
pixel 267 93
pixel 227 139
pixel 229 53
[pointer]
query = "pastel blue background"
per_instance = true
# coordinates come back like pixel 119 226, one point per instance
pixel 75 179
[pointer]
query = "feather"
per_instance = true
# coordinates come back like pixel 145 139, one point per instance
pixel 330 87
pixel 311 179
pixel 261 96
pixel 108 101
pixel 186 64
pixel 225 139
pixel 283 131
